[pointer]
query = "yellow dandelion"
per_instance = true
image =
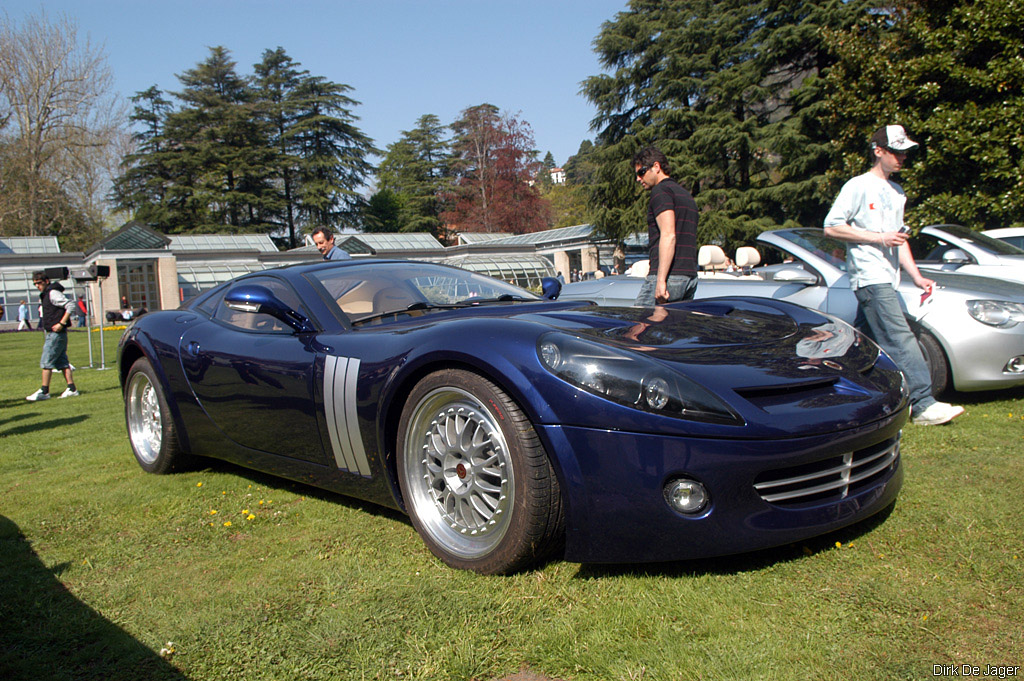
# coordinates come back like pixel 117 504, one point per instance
pixel 250 517
pixel 839 544
pixel 261 502
pixel 199 484
pixel 213 511
pixel 245 511
pixel 227 523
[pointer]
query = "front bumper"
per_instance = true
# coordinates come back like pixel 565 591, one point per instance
pixel 616 511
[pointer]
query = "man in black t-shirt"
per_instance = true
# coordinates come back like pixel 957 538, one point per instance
pixel 671 232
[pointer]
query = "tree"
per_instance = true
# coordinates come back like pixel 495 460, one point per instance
pixel 727 90
pixel 959 90
pixel 493 166
pixel 276 83
pixel 415 169
pixel 275 151
pixel 333 152
pixel 58 118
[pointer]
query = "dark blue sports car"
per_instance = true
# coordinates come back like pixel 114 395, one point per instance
pixel 510 427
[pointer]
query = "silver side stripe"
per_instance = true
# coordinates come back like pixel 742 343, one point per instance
pixel 340 375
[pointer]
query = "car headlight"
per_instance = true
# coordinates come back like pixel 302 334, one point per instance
pixel 996 312
pixel 630 379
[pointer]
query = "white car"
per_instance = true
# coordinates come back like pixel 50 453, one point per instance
pixel 952 248
pixel 1011 235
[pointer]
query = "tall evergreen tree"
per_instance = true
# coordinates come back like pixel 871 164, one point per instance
pixel 414 169
pixel 727 90
pixel 951 73
pixel 226 149
pixel 333 153
pixel 146 180
pixel 276 83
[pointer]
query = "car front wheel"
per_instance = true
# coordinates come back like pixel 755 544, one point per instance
pixel 150 426
pixel 936 360
pixel 475 478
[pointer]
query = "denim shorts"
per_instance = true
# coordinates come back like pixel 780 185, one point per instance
pixel 55 351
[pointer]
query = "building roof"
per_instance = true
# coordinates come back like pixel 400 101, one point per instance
pixel 223 242
pixel 549 236
pixel 133 236
pixel 390 241
pixel 28 245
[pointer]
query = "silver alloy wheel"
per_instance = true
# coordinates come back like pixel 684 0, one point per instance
pixel 145 424
pixel 458 472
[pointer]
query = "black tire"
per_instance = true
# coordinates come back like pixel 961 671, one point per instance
pixel 938 367
pixel 151 430
pixel 475 478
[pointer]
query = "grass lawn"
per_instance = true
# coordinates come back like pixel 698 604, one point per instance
pixel 236 575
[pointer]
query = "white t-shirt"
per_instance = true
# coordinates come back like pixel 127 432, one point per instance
pixel 876 205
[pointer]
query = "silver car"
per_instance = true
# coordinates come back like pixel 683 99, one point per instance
pixel 952 248
pixel 971 329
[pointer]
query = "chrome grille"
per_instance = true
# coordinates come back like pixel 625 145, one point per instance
pixel 831 479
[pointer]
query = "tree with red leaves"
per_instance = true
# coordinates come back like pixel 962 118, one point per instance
pixel 494 165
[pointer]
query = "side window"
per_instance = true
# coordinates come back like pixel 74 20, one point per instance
pixel 263 323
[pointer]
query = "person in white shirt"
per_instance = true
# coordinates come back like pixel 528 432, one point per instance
pixel 868 216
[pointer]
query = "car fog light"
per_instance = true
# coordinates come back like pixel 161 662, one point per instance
pixel 1015 365
pixel 686 496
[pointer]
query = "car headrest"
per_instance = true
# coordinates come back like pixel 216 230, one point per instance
pixel 747 256
pixel 711 257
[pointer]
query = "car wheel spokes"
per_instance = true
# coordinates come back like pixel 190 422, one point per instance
pixel 145 420
pixel 464 493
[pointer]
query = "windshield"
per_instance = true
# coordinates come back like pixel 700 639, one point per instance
pixel 376 289
pixel 985 243
pixel 832 251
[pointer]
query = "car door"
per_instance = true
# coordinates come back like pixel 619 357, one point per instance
pixel 253 376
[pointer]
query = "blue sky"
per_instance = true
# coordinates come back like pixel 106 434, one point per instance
pixel 404 58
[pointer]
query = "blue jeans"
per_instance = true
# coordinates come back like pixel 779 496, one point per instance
pixel 883 317
pixel 680 287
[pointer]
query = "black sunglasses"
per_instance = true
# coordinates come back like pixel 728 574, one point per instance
pixel 643 170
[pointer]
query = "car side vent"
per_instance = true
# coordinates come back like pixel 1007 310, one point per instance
pixel 831 479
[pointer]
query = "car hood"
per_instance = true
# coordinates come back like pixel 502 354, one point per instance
pixel 684 327
pixel 766 343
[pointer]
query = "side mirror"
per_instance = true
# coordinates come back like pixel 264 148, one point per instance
pixel 795 275
pixel 955 256
pixel 259 300
pixel 550 287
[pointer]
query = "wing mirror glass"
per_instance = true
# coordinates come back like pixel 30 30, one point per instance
pixel 955 256
pixel 795 275
pixel 257 299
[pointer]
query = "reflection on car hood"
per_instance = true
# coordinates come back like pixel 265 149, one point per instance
pixel 683 327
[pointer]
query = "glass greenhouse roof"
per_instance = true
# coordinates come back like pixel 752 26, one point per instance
pixel 223 242
pixel 548 236
pixel 28 245
pixel 401 241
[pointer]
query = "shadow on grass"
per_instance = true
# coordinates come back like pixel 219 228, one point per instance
pixel 968 399
pixel 47 633
pixel 744 562
pixel 276 482
pixel 36 426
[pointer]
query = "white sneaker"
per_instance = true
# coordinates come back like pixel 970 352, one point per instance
pixel 38 396
pixel 68 392
pixel 937 414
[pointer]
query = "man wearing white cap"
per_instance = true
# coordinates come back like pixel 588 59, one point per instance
pixel 868 216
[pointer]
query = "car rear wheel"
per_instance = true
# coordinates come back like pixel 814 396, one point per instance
pixel 151 429
pixel 938 367
pixel 476 481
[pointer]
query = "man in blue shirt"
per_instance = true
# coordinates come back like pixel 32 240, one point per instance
pixel 324 240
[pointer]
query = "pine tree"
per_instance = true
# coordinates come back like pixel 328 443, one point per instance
pixel 728 90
